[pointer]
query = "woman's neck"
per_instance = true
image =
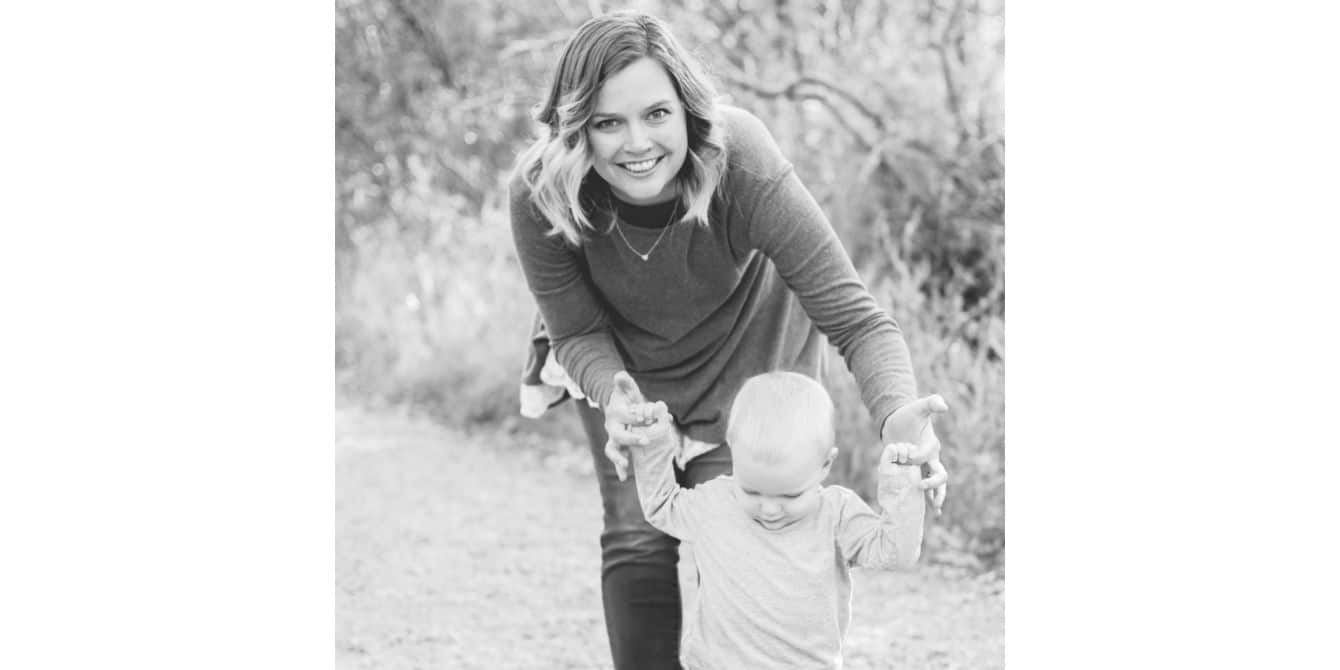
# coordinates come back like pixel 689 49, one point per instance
pixel 658 215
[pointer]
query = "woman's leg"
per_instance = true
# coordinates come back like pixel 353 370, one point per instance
pixel 639 578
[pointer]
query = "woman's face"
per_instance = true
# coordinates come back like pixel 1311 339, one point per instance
pixel 639 133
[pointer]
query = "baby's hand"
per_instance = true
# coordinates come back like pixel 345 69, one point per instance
pixel 898 467
pixel 895 477
pixel 909 453
pixel 657 421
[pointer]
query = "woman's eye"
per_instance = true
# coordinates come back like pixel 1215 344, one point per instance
pixel 604 124
pixel 659 114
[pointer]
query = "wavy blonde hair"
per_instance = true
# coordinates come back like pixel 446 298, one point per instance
pixel 557 166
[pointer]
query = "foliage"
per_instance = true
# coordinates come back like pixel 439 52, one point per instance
pixel 891 113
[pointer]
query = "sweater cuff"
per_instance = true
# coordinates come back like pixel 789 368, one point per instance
pixel 883 406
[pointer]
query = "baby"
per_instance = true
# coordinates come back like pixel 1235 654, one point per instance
pixel 773 545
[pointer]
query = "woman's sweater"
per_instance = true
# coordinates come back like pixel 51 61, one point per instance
pixel 713 306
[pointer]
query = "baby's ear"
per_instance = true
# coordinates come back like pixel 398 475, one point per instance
pixel 832 456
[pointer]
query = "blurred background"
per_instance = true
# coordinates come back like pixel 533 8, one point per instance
pixel 891 112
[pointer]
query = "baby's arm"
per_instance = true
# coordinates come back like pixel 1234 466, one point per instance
pixel 891 540
pixel 667 506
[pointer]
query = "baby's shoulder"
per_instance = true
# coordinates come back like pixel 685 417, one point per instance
pixel 721 486
pixel 838 493
pixel 840 501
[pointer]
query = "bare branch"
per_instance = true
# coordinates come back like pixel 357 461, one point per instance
pixel 541 44
pixel 875 119
pixel 951 89
pixel 792 92
pixel 344 123
pixel 432 48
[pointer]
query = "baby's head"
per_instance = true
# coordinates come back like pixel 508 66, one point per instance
pixel 782 444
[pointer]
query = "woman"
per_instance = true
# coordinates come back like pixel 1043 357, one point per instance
pixel 666 239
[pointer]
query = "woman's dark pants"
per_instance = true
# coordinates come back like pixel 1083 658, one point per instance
pixel 639 573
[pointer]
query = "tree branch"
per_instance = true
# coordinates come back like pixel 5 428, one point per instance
pixel 792 91
pixel 951 89
pixel 875 119
pixel 541 44
pixel 431 47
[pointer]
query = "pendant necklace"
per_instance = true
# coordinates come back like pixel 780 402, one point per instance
pixel 664 228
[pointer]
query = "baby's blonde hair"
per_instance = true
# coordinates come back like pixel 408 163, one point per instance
pixel 776 412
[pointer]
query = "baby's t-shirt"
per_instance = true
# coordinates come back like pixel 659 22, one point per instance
pixel 774 599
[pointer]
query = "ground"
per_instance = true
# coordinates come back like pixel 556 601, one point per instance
pixel 480 550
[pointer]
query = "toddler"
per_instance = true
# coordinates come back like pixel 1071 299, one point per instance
pixel 773 546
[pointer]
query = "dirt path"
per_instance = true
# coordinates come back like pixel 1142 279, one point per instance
pixel 456 551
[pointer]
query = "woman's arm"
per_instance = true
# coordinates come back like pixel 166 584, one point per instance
pixel 782 220
pixel 577 323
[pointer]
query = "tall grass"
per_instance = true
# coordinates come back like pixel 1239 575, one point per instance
pixel 959 355
pixel 437 321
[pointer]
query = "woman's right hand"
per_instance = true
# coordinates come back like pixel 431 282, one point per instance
pixel 626 408
pixel 911 439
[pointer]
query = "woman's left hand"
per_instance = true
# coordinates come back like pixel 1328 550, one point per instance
pixel 911 424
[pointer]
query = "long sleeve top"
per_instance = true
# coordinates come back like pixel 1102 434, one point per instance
pixel 776 599
pixel 758 289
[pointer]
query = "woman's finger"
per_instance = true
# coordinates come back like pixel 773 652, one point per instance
pixel 623 383
pixel 618 455
pixel 936 486
pixel 929 406
pixel 620 433
pixel 936 479
pixel 939 476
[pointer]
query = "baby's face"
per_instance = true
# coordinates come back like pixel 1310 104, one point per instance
pixel 779 494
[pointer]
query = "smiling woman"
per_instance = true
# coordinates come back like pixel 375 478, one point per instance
pixel 727 268
pixel 638 137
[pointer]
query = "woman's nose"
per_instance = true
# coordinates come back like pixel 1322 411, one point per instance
pixel 638 139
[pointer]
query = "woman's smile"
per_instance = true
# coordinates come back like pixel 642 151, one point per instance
pixel 642 167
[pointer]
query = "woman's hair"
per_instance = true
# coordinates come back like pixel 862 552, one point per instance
pixel 777 411
pixel 555 167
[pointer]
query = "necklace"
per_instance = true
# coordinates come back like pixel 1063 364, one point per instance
pixel 639 254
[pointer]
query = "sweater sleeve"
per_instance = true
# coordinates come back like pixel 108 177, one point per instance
pixel 576 320
pixel 891 541
pixel 785 223
pixel 667 506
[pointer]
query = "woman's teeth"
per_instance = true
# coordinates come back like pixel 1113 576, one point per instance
pixel 641 166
